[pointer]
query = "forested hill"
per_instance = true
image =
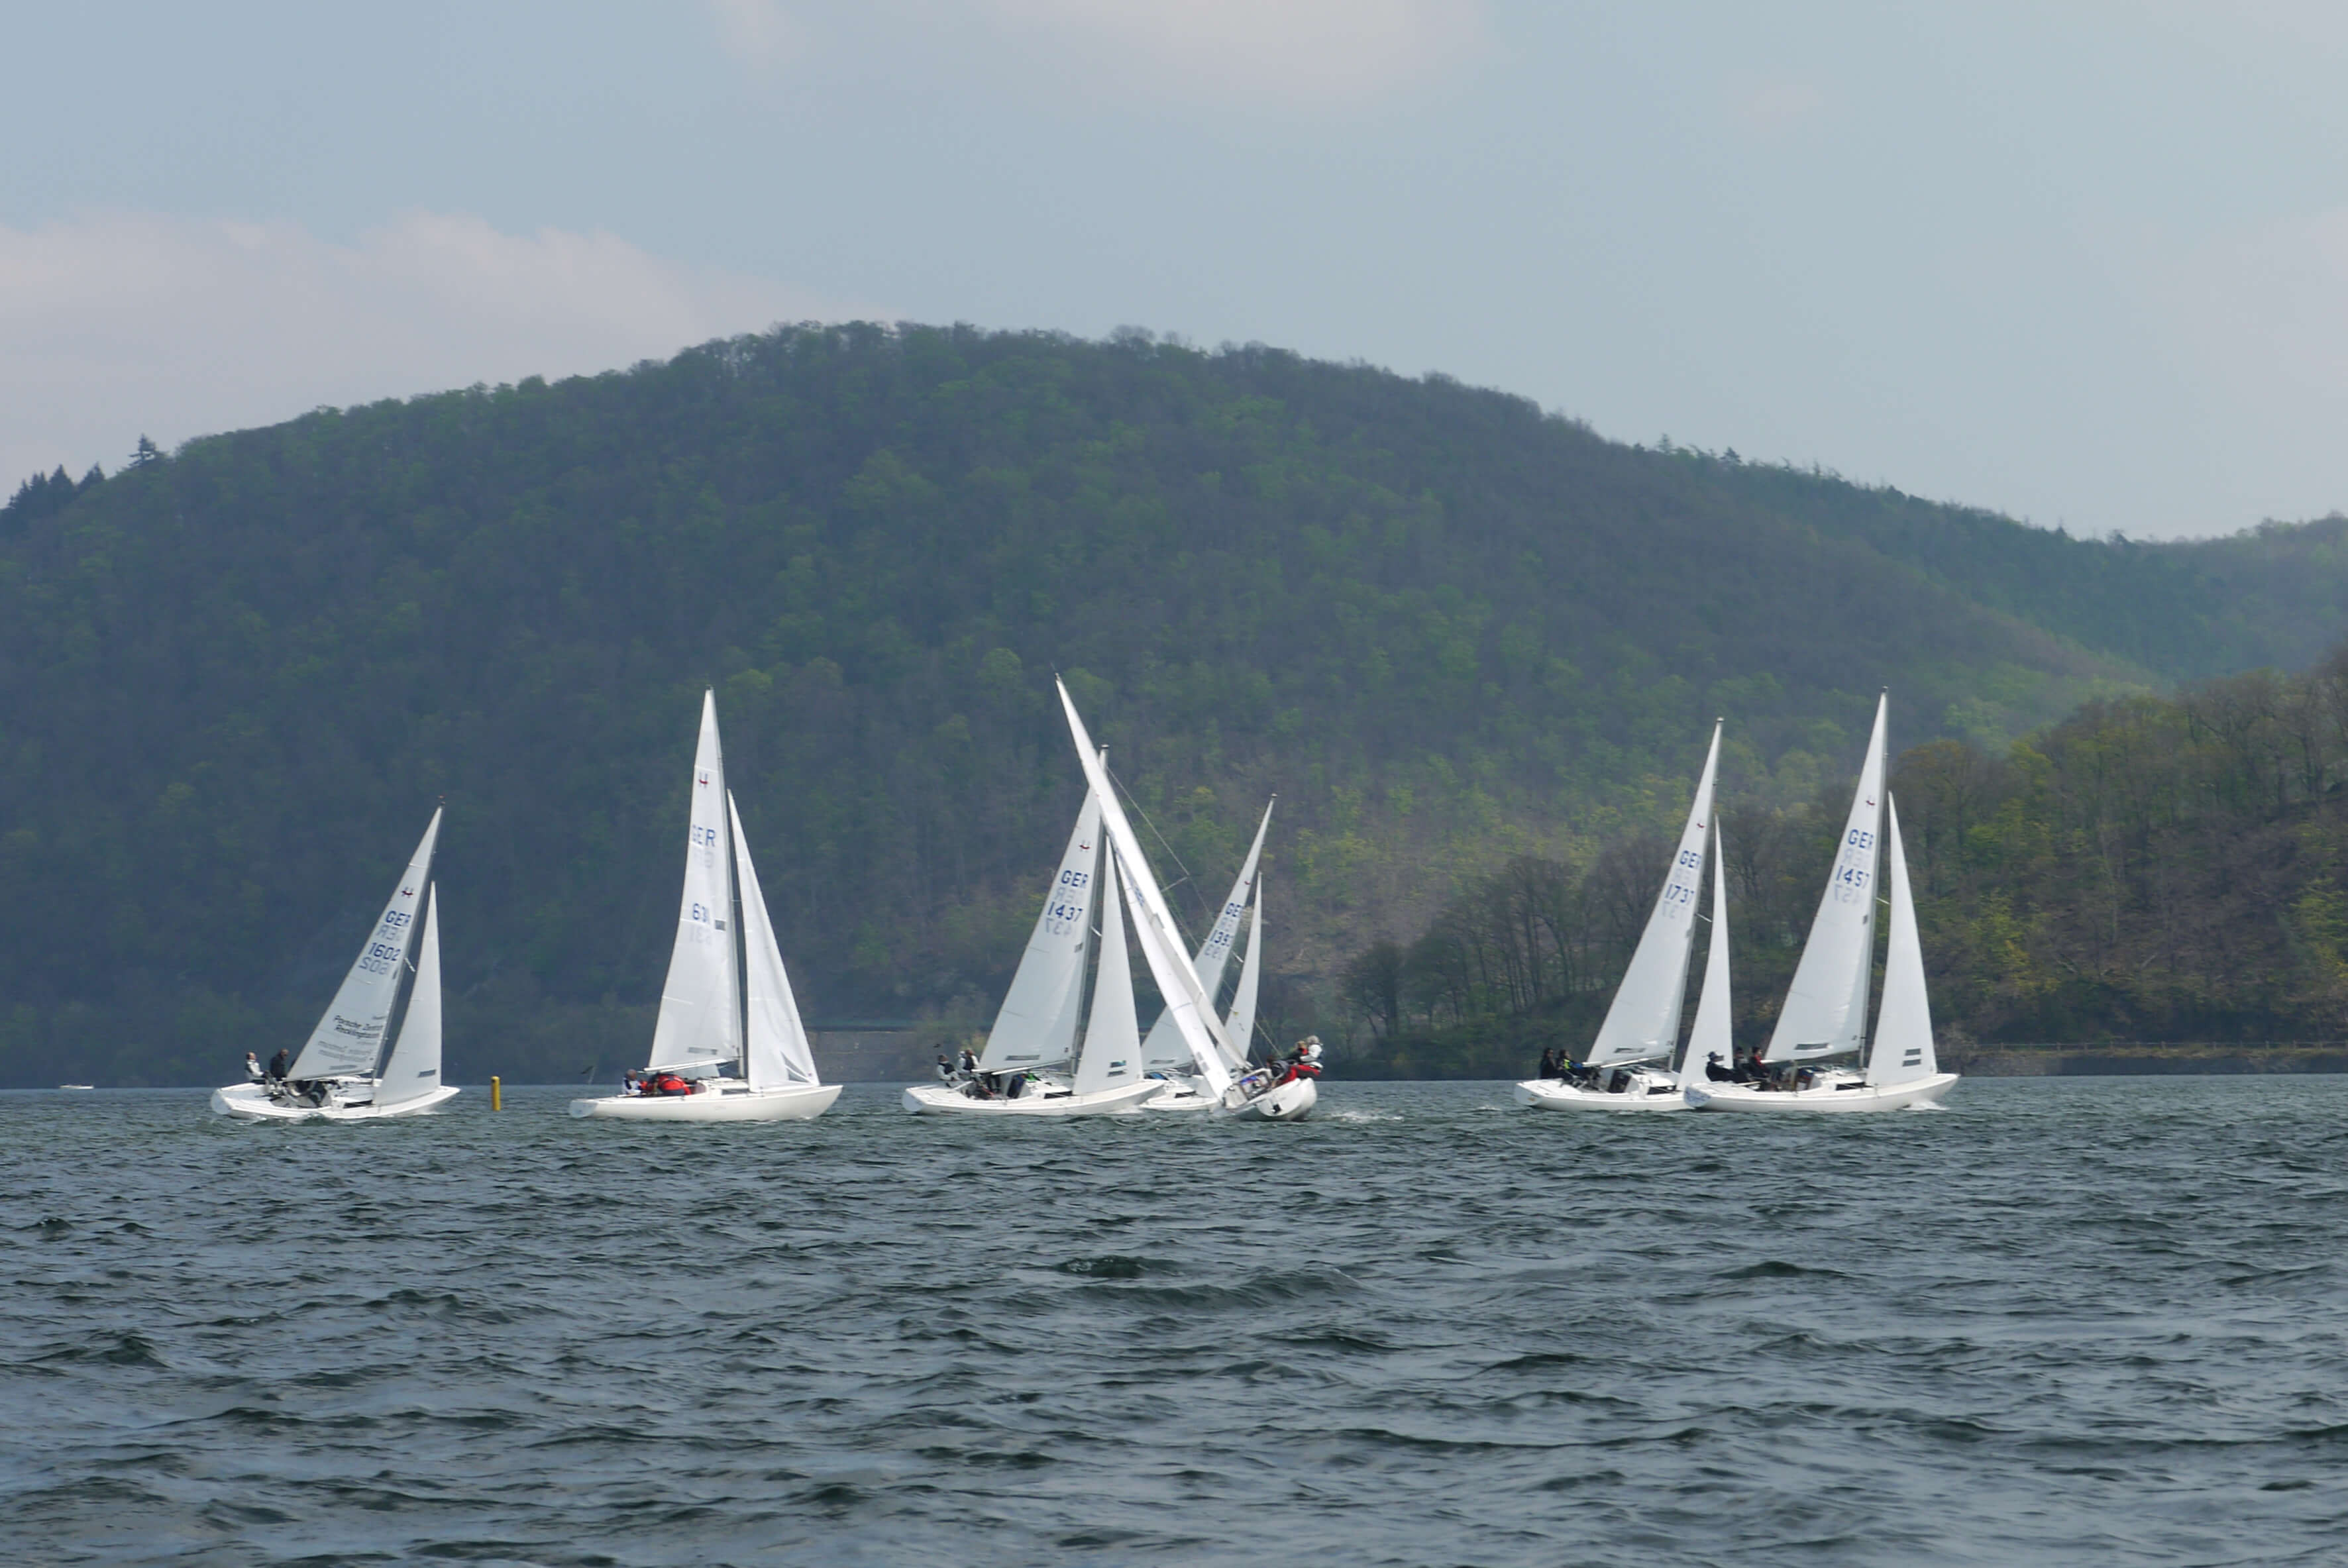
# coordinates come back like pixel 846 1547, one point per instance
pixel 1446 627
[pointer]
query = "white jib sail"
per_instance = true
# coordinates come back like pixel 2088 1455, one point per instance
pixel 775 1043
pixel 413 1068
pixel 1903 1030
pixel 1709 1036
pixel 700 1018
pixel 1239 1026
pixel 1826 1006
pixel 1164 1050
pixel 1038 1024
pixel 1185 1002
pixel 1112 1055
pixel 1644 1019
pixel 349 1038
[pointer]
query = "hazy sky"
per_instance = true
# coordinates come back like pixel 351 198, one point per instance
pixel 2083 262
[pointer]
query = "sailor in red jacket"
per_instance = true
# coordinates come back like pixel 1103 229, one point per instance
pixel 1308 1060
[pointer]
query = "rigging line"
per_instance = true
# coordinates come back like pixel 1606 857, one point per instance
pixel 1185 879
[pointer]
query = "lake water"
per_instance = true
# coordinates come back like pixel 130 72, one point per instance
pixel 2078 1321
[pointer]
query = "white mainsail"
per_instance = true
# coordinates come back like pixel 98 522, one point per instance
pixel 1239 1025
pixel 1186 1001
pixel 1826 1006
pixel 700 1013
pixel 1112 1055
pixel 1165 1051
pixel 1644 1019
pixel 1038 1024
pixel 349 1038
pixel 775 1042
pixel 413 1068
pixel 1709 1036
pixel 1903 1029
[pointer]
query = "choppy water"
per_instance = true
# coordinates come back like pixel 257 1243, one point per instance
pixel 2064 1321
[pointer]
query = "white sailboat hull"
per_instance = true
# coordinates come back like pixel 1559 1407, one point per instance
pixel 1824 1100
pixel 944 1099
pixel 796 1102
pixel 1646 1091
pixel 250 1102
pixel 1183 1094
pixel 1287 1102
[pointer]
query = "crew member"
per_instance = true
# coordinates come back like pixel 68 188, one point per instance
pixel 252 1067
pixel 280 1063
pixel 1307 1064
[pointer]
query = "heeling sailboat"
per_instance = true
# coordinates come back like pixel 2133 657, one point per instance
pixel 1038 1062
pixel 1166 1053
pixel 336 1078
pixel 1826 1007
pixel 1628 1066
pixel 729 1030
pixel 1106 1077
pixel 1255 1095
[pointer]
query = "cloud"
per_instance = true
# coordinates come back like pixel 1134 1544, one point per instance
pixel 118 324
pixel 1780 105
pixel 759 33
pixel 1305 53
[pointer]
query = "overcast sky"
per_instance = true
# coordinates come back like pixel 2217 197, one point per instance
pixel 2084 263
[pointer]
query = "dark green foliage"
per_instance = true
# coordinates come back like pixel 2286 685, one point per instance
pixel 1448 629
pixel 44 495
pixel 2149 869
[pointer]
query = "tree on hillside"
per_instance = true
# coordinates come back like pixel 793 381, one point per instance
pixel 1454 633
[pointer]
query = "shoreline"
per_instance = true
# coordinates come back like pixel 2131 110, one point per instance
pixel 2130 1059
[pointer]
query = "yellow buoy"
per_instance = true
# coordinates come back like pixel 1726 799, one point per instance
pixel 496 1094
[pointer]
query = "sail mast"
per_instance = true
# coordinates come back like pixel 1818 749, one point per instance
pixel 775 1049
pixel 1903 1031
pixel 1644 1020
pixel 1036 1025
pixel 700 1021
pixel 348 1040
pixel 1153 924
pixel 1165 1050
pixel 1711 1035
pixel 412 1070
pixel 1826 1005
pixel 1239 1024
pixel 1111 1057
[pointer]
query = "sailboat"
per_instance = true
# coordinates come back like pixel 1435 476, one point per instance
pixel 334 1077
pixel 1825 1013
pixel 1025 1070
pixel 1165 1054
pixel 1256 1095
pixel 729 1027
pixel 1628 1066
